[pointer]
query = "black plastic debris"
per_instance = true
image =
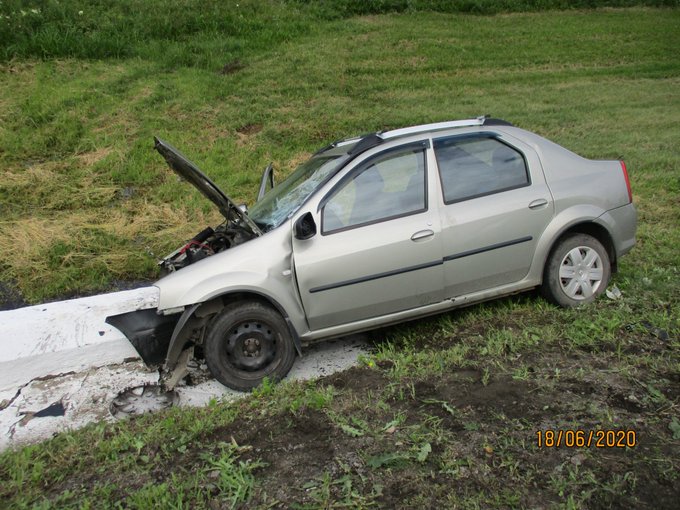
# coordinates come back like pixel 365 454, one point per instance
pixel 659 333
pixel 56 409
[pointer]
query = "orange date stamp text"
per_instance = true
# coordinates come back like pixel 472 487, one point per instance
pixel 578 438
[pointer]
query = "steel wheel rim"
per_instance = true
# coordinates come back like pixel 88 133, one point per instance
pixel 251 345
pixel 581 273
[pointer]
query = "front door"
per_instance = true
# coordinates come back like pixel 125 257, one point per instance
pixel 378 249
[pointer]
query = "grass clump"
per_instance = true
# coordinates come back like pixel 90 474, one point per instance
pixel 194 33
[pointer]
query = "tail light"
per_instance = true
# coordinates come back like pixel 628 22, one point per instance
pixel 625 176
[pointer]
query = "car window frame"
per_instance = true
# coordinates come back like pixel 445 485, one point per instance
pixel 419 145
pixel 468 136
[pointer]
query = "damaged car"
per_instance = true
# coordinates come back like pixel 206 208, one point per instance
pixel 379 229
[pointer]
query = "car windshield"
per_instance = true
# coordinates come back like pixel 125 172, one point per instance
pixel 285 198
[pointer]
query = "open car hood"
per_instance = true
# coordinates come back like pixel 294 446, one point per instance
pixel 190 172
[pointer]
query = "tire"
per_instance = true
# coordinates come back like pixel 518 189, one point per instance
pixel 247 342
pixel 577 271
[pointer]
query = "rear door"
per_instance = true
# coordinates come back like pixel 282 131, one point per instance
pixel 495 205
pixel 378 249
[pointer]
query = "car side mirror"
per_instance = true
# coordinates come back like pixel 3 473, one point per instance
pixel 305 227
pixel 267 177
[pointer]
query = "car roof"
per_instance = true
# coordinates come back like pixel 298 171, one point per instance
pixel 358 144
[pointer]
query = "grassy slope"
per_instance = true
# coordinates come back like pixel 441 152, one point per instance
pixel 74 133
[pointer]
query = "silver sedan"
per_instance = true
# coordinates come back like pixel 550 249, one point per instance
pixel 381 229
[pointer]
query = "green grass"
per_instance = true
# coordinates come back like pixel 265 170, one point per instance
pixel 79 174
pixel 85 201
pixel 200 33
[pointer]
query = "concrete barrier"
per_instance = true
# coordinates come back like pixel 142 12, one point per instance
pixel 65 336
pixel 61 365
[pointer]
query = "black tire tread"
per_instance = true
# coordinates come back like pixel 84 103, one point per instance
pixel 215 354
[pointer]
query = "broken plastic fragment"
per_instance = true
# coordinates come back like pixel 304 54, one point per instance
pixel 614 293
pixel 659 333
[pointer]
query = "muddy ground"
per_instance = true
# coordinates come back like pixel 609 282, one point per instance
pixel 10 297
pixel 465 439
pixel 483 438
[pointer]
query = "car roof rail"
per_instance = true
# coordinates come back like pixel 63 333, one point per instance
pixel 396 133
pixel 367 142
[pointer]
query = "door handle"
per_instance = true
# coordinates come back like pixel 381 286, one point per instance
pixel 422 234
pixel 538 203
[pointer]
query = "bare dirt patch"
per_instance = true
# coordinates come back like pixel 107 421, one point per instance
pixel 10 297
pixel 249 129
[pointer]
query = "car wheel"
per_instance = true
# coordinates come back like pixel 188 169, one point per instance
pixel 247 342
pixel 577 271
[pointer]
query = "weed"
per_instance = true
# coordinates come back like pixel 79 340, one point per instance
pixel 234 480
pixel 154 495
pixel 674 427
pixel 521 373
pixel 390 459
pixel 486 376
pixel 354 426
pixel 326 492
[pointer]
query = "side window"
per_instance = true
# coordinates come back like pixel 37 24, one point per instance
pixel 473 167
pixel 382 188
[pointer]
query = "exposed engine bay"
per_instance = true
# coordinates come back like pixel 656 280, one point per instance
pixel 204 244
pixel 236 229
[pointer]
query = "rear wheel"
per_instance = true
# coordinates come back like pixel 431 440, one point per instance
pixel 247 342
pixel 577 271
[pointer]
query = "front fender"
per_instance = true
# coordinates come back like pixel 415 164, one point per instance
pixel 261 266
pixel 279 290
